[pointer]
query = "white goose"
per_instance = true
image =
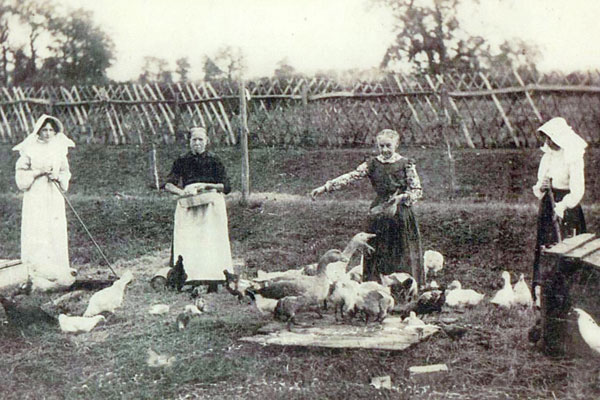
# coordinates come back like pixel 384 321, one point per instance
pixel 456 296
pixel 504 297
pixel 338 270
pixel 522 293
pixel 590 331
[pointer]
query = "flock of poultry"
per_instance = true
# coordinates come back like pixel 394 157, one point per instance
pixel 313 288
pixel 331 282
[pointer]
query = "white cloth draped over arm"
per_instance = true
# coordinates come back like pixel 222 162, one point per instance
pixel 359 173
pixel 24 176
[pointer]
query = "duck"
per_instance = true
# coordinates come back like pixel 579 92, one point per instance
pixel 314 288
pixel 110 298
pixel 522 293
pixel 74 324
pixel 433 262
pixel 589 330
pixel 456 296
pixel 504 297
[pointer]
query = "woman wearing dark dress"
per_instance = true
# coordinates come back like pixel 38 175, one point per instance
pixel 200 235
pixel 560 187
pixel 397 187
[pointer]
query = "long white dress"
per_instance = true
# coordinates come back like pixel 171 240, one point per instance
pixel 44 241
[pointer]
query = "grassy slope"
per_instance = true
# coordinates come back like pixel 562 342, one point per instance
pixel 478 239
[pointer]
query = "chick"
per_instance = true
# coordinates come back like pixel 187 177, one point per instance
pixel 110 298
pixel 72 324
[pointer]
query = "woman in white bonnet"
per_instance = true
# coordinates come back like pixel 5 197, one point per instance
pixel 41 169
pixel 560 178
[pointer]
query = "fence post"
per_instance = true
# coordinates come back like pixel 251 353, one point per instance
pixel 244 142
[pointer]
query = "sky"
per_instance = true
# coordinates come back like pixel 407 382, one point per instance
pixel 320 35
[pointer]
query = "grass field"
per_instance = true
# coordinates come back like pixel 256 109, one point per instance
pixel 485 226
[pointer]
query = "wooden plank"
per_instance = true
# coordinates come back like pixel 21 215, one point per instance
pixel 569 244
pixel 583 250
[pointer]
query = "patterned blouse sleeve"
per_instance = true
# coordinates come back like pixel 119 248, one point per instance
pixel 343 180
pixel 413 191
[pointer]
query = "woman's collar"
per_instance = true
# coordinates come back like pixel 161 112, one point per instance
pixel 395 157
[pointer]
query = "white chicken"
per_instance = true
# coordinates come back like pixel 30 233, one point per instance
pixel 433 262
pixel 456 296
pixel 589 330
pixel 110 298
pixel 504 297
pixel 413 320
pixel 522 293
pixel 73 324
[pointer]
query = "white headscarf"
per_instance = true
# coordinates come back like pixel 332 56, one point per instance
pixel 60 143
pixel 564 136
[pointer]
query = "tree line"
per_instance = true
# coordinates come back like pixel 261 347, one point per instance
pixel 67 47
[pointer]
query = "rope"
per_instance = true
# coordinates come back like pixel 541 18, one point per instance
pixel 84 226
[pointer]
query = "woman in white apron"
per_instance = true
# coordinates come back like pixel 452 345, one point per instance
pixel 43 168
pixel 201 234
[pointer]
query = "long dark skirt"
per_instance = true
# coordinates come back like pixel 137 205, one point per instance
pixel 397 246
pixel 573 222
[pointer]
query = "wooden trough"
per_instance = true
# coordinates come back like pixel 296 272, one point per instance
pixel 392 334
pixel 569 272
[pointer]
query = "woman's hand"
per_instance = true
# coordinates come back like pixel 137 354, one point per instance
pixel 190 190
pixel 546 184
pixel 46 171
pixel 317 192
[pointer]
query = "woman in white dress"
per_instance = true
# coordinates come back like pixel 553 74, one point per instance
pixel 201 234
pixel 560 187
pixel 41 169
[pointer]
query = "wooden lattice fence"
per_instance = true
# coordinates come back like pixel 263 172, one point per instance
pixel 466 109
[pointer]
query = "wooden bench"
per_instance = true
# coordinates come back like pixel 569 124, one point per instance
pixel 562 266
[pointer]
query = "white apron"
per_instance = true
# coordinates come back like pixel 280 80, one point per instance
pixel 201 237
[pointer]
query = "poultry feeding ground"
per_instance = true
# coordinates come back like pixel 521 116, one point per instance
pixel 392 334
